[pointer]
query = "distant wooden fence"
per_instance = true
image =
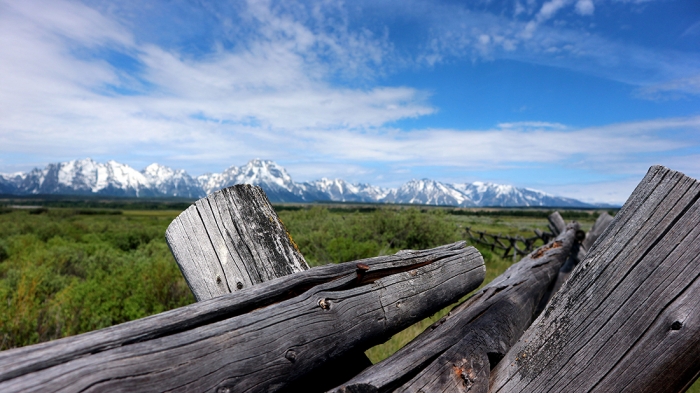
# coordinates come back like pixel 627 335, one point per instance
pixel 512 246
pixel 627 316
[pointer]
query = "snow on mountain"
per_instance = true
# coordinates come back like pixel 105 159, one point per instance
pixel 170 182
pixel 273 178
pixel 89 177
pixel 428 192
pixel 490 194
pixel 111 178
pixel 82 177
pixel 339 190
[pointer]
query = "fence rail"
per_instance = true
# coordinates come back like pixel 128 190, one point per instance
pixel 512 246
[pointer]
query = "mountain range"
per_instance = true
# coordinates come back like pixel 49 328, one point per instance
pixel 87 177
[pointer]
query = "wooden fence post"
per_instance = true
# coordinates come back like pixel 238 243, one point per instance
pixel 556 223
pixel 233 239
pixel 628 320
pixel 601 224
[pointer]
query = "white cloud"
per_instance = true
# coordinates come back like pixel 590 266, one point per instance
pixel 672 89
pixel 585 7
pixel 550 8
pixel 455 32
pixel 524 125
pixel 612 191
pixel 59 95
pixel 273 97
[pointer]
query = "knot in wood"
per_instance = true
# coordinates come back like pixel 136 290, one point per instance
pixel 291 355
pixel 677 325
pixel 218 279
pixel 239 285
pixel 324 304
pixel 540 251
pixel 223 389
pixel 467 375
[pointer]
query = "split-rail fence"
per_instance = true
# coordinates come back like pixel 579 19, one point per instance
pixel 614 310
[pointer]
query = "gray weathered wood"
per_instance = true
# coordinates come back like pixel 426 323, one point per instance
pixel 231 240
pixel 601 224
pixel 456 354
pixel 240 241
pixel 258 339
pixel 556 223
pixel 628 319
pixel 580 252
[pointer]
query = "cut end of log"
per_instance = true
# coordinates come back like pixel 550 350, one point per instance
pixel 231 240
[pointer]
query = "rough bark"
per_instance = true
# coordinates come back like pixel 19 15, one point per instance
pixel 628 319
pixel 457 353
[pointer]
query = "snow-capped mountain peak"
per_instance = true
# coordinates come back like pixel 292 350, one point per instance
pixel 259 171
pixel 429 192
pixel 112 178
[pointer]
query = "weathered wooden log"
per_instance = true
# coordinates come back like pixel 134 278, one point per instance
pixel 601 224
pixel 545 236
pixel 258 339
pixel 580 252
pixel 233 239
pixel 556 223
pixel 628 319
pixel 456 353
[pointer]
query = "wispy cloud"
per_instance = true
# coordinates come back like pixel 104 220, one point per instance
pixel 598 146
pixel 296 82
pixel 673 89
pixel 552 32
pixel 57 77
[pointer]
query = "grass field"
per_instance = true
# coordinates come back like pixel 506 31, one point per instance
pixel 69 270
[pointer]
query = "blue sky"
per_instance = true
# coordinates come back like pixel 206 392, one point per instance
pixel 573 97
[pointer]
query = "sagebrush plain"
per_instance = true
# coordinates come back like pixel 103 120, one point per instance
pixel 70 270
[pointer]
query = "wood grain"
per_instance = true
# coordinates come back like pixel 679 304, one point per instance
pixel 578 254
pixel 628 319
pixel 456 354
pixel 258 339
pixel 231 240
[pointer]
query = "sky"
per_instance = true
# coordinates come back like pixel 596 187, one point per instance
pixel 577 98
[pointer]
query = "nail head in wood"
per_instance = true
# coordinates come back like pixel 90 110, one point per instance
pixel 291 355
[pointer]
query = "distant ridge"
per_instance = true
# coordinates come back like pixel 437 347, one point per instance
pixel 87 177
